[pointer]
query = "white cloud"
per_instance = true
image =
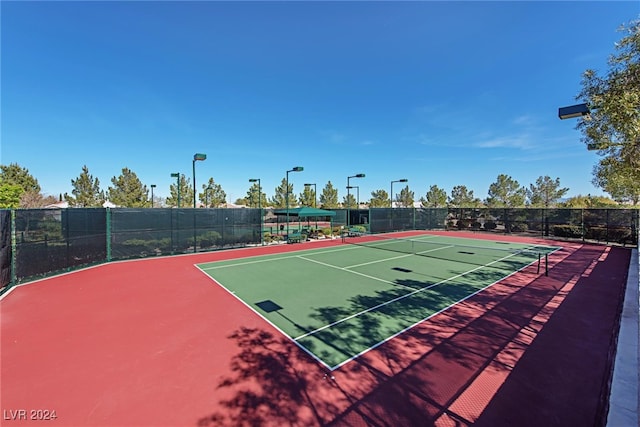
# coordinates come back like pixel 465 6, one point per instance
pixel 522 142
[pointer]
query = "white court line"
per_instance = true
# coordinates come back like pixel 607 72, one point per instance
pixel 356 272
pixel 400 298
pixel 268 259
pixel 276 327
pixel 398 257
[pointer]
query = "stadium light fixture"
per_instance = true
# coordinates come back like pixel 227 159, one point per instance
pixel 177 177
pixel 572 111
pixel 196 157
pixel 286 195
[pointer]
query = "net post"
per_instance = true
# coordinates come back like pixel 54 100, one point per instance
pixel 546 264
pixel 539 257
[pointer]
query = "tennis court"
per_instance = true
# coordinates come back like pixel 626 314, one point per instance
pixel 338 303
pixel 322 333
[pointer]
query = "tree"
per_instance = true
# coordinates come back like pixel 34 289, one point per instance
pixel 614 125
pixel 10 195
pixel 308 197
pixel 329 197
pixel 279 199
pixel 35 200
pixel 185 194
pixel 435 198
pixel 506 193
pixel 379 199
pixel 15 174
pixel 252 197
pixel 212 194
pixel 462 197
pixel 128 191
pixel 405 198
pixel 546 192
pixel 589 201
pixel 86 191
pixel 618 179
pixel 349 201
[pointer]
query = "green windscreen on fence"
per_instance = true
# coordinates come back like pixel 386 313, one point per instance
pixel 383 220
pixel 5 248
pixel 51 240
pixel 147 232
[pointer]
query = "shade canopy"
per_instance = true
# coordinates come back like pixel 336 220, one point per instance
pixel 304 212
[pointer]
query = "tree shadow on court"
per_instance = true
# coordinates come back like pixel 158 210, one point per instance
pixel 423 373
pixel 271 382
pixel 412 379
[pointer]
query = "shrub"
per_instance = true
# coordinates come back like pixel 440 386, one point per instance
pixel 208 239
pixel 519 227
pixel 490 225
pixel 464 223
pixel 567 230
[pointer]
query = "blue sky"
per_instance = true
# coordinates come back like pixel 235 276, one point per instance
pixel 440 93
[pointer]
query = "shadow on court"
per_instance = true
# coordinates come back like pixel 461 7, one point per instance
pixel 510 355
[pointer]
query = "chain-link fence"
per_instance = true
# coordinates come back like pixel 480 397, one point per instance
pixel 40 242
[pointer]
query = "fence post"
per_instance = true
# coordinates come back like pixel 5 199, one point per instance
pixel 108 232
pixel 14 245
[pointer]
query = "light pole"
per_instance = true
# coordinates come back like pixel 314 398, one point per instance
pixel 259 191
pixel 152 187
pixel 391 195
pixel 286 196
pixel 315 194
pixel 259 204
pixel 196 157
pixel 360 175
pixel 206 195
pixel 177 177
pixel 358 194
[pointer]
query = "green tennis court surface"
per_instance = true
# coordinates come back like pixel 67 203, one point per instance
pixel 337 303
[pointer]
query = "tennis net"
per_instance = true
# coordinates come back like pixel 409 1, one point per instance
pixel 509 256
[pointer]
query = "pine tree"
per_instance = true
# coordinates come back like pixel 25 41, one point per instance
pixel 182 198
pixel 212 194
pixel 436 198
pixel 128 191
pixel 379 199
pixel 406 198
pixel 86 191
pixel 279 199
pixel 506 193
pixel 329 197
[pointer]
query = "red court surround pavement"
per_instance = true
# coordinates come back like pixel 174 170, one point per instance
pixel 155 342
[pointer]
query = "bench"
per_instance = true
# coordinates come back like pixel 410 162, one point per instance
pixel 296 237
